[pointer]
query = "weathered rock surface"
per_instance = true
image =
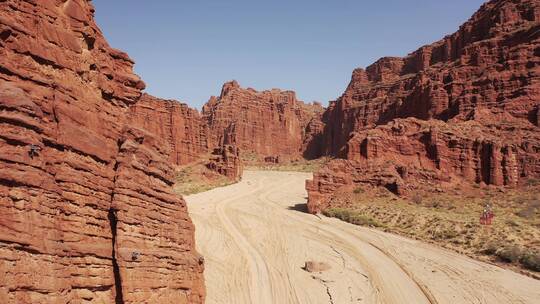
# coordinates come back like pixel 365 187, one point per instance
pixel 181 126
pixel 471 106
pixel 269 126
pixel 86 211
pixel 263 124
pixel 226 161
pixel 411 154
pixel 491 62
pixel 151 228
pixel 186 134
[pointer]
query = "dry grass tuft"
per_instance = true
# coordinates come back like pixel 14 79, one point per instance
pixel 293 166
pixel 451 220
pixel 196 178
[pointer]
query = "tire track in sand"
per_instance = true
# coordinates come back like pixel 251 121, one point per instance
pixel 260 283
pixel 253 227
pixel 388 288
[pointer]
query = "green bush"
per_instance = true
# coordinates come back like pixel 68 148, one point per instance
pixel 352 217
pixel 531 261
pixel 513 254
pixel 510 254
pixel 359 190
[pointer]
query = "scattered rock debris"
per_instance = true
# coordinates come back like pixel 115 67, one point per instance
pixel 312 266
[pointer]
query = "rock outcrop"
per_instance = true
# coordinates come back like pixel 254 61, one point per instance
pixel 407 155
pixel 86 210
pixel 269 124
pixel 464 109
pixel 226 161
pixel 491 62
pixel 181 126
pixel 186 134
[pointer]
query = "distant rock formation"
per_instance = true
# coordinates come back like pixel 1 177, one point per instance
pixel 181 126
pixel 186 135
pixel 475 97
pixel 86 205
pixel 491 62
pixel 270 124
pixel 226 161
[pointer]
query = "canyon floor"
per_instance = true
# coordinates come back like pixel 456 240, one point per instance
pixel 256 239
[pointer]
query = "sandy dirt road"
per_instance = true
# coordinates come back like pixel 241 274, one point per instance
pixel 255 240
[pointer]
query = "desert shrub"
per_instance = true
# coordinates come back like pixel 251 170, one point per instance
pixel 417 199
pixel 530 209
pixel 509 254
pixel 359 190
pixel 531 261
pixel 435 204
pixel 352 217
pixel 511 222
pixel 448 234
pixel 491 248
pixel 533 182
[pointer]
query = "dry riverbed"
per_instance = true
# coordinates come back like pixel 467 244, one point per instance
pixel 256 239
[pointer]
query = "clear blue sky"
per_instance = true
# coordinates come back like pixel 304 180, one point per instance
pixel 186 50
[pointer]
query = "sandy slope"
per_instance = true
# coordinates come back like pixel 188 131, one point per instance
pixel 255 243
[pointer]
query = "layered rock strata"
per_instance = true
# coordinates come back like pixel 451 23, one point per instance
pixel 269 124
pixel 179 125
pixel 226 161
pixel 86 211
pixel 491 62
pixel 474 95
pixel 407 155
pixel 185 133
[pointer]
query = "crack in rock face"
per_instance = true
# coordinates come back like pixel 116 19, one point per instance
pixel 113 221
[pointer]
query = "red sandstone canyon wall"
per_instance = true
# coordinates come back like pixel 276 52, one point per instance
pixel 181 126
pixel 86 207
pixel 490 62
pixel 471 106
pixel 270 124
pixel 227 162
pixel 407 155
pixel 185 133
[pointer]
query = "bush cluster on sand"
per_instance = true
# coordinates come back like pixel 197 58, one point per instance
pixel 531 261
pixel 514 254
pixel 352 217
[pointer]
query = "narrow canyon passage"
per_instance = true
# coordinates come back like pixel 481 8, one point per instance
pixel 256 238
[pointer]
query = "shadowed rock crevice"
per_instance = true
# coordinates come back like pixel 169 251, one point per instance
pixel 113 222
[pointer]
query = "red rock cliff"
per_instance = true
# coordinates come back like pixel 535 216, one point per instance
pixel 471 101
pixel 409 154
pixel 226 161
pixel 269 124
pixel 181 126
pixel 186 134
pixel 86 211
pixel 491 62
